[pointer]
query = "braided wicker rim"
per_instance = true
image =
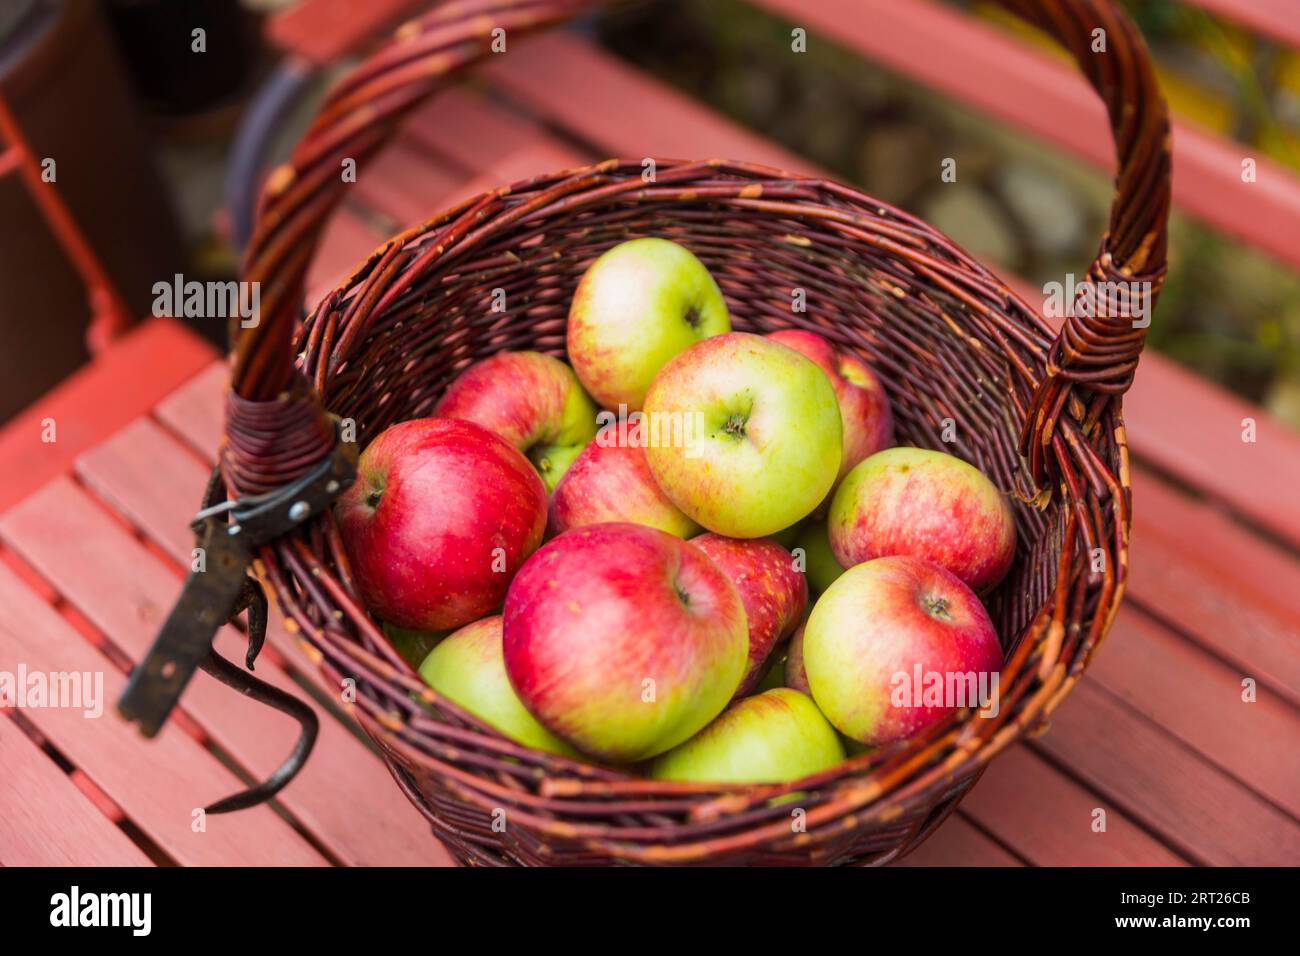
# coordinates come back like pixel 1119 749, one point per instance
pixel 1036 411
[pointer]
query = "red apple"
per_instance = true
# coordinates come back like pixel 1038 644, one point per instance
pixel 928 504
pixel 430 550
pixel 533 401
pixel 864 406
pixel 773 592
pixel 895 645
pixel 623 639
pixel 612 482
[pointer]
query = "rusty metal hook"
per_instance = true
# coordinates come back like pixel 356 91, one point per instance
pixel 214 594
pixel 264 693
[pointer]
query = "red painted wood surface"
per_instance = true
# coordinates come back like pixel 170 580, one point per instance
pixel 47 821
pixel 1049 818
pixel 126 592
pixel 1200 701
pixel 1142 768
pixel 959 843
pixel 96 401
pixel 324 31
pixel 160 786
pixel 1227 589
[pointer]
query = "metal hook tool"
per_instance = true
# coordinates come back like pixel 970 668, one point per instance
pixel 218 590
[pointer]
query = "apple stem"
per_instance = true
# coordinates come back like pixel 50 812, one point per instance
pixel 936 607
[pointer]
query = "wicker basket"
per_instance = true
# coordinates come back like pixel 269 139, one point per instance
pixel 1037 411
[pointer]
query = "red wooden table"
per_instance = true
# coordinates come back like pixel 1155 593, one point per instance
pixel 1154 759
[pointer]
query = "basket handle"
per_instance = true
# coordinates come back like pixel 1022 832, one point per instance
pixel 276 428
pixel 1098 346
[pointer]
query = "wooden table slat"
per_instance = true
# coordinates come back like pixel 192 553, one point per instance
pixel 46 820
pixel 958 842
pixel 1199 700
pixel 344 796
pixel 1048 818
pixel 158 786
pixel 1224 586
pixel 1137 765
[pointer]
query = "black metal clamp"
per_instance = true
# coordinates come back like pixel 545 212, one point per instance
pixel 216 591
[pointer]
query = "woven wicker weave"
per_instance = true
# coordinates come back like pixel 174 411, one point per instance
pixel 1038 412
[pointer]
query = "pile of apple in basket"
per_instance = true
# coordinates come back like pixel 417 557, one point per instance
pixel 613 560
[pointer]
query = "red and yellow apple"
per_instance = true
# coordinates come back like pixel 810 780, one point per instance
pixel 623 639
pixel 533 401
pixel 773 592
pixel 612 482
pixel 636 307
pixel 468 668
pixel 895 645
pixel 927 504
pixel 763 434
pixel 864 406
pixel 430 550
pixel 774 737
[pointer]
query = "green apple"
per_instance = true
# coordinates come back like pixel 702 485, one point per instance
pixel 637 306
pixel 743 434
pixel 777 736
pixel 413 645
pixel 820 564
pixel 468 668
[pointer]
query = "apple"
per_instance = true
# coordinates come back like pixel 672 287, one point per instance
pixel 533 401
pixel 413 645
pixel 636 307
pixel 469 669
pixel 430 550
pixel 623 639
pixel 820 564
pixel 928 504
pixel 612 482
pixel 864 406
pixel 760 434
pixel 796 678
pixel 775 737
pixel 895 645
pixel 773 592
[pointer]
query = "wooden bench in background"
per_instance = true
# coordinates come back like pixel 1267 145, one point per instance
pixel 94 540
